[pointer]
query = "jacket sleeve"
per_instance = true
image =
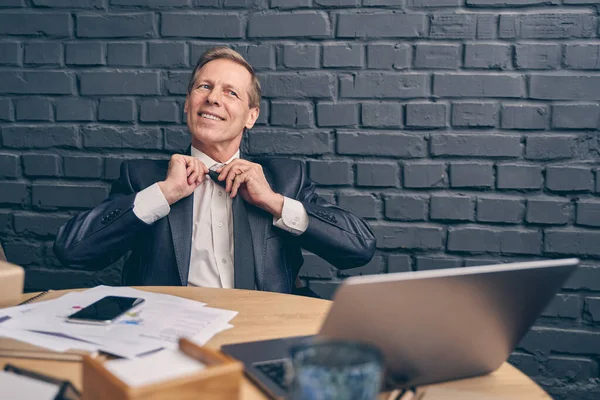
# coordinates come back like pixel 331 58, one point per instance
pixel 100 236
pixel 334 234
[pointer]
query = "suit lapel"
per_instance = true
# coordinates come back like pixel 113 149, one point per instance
pixel 180 222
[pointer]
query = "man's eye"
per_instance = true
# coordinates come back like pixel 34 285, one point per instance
pixel 232 93
pixel 203 86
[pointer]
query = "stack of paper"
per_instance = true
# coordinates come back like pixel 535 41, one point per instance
pixel 157 323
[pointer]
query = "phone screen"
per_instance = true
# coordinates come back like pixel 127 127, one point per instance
pixel 106 309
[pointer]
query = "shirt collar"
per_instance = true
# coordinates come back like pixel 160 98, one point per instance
pixel 209 162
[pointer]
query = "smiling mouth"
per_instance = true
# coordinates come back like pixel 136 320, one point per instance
pixel 210 116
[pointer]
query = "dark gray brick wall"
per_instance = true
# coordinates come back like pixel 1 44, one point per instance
pixel 465 132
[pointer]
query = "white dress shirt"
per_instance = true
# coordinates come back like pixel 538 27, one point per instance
pixel 211 258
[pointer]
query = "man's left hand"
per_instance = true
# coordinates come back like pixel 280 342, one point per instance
pixel 248 179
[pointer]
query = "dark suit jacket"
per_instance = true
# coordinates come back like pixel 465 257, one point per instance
pixel 160 252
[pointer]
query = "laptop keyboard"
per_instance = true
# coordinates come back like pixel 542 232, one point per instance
pixel 279 371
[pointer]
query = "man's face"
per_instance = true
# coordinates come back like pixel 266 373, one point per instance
pixel 218 106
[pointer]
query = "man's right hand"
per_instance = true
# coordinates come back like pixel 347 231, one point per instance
pixel 184 175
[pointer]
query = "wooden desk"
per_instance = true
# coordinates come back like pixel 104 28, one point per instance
pixel 264 315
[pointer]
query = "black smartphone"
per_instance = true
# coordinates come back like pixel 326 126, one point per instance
pixel 105 310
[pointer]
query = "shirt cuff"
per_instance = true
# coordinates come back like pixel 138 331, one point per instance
pixel 294 218
pixel 150 204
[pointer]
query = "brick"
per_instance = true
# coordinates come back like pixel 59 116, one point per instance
pixel 301 56
pixel 23 253
pixel 75 109
pixel 588 213
pixel 572 369
pixel 381 25
pixel 382 114
pixel 375 3
pixel 259 56
pixel 6 110
pixel 338 3
pixel 545 340
pixel 513 176
pixel 582 56
pixel 324 290
pixel 33 109
pixel 398 263
pixel 336 114
pixel 558 87
pixel 569 178
pixel 548 211
pixel 424 175
pixel 39 224
pixel 432 263
pixel 152 3
pixel 43 53
pixel 36 82
pixel 505 241
pixel 471 114
pixel 120 83
pixel 177 139
pixel 118 110
pixel 508 3
pixel 537 56
pixel 375 266
pixel 592 305
pixel 13 192
pixel 112 167
pixel 283 4
pixel 168 54
pixel 263 116
pixel 549 147
pixel 293 114
pixel 411 236
pixel 376 175
pixel 504 210
pixel 585 277
pixel 546 26
pixel 88 53
pixel 316 267
pixel 478 85
pixel 294 85
pixel 82 166
pixel 177 82
pixel 575 116
pixel 384 85
pixel 127 54
pixel 76 196
pixel 487 26
pixel 364 206
pixel 425 115
pixel 115 25
pixel 54 24
pixel 451 208
pixel 40 164
pixel 453 26
pixel 159 111
pixel 475 145
pixel 524 117
pixel 9 165
pixel 388 56
pixel 406 207
pixel 573 242
pixel 12 3
pixel 198 48
pixel 88 4
pixel 331 172
pixel 6 223
pixel 121 138
pixel 380 144
pixel 564 306
pixel 471 175
pixel 438 56
pixel 38 137
pixel 487 56
pixel 10 53
pixel 286 25
pixel 305 142
pixel 343 55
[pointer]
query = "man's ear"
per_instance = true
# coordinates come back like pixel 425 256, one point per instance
pixel 185 105
pixel 252 117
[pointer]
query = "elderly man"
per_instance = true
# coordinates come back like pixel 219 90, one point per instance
pixel 214 217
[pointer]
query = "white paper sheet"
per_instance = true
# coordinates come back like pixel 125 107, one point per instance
pixel 21 387
pixel 160 366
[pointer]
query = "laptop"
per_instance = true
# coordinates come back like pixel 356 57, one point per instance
pixel 432 326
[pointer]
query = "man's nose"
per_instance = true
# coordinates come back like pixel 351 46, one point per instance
pixel 213 97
